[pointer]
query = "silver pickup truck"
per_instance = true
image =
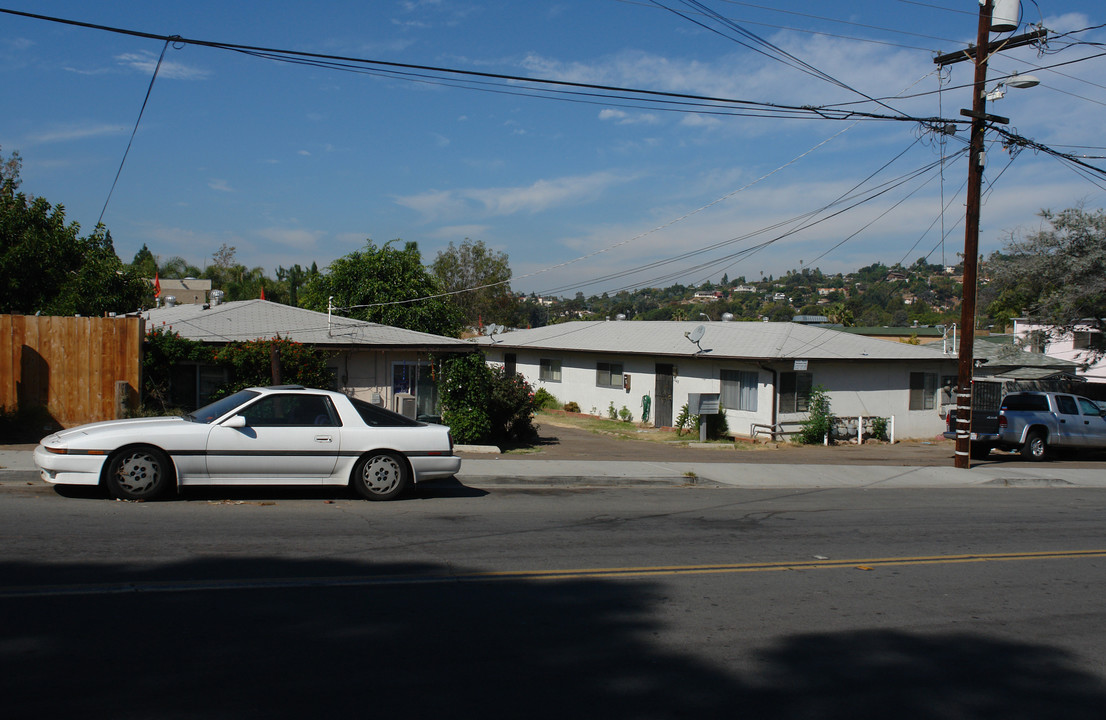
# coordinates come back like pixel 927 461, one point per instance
pixel 1035 422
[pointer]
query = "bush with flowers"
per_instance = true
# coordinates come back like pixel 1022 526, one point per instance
pixel 482 404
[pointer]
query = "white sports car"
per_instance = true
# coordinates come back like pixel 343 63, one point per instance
pixel 281 435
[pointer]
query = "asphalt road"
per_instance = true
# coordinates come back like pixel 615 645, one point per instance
pixel 619 603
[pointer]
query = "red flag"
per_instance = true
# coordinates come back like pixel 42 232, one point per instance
pixel 157 285
pixel 262 292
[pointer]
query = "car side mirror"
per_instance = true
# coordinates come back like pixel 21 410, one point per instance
pixel 238 421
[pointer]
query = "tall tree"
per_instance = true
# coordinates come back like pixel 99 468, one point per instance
pixel 46 266
pixel 386 285
pixel 1059 272
pixel 478 280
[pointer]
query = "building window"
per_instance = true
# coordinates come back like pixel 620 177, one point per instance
pixel 510 362
pixel 923 390
pixel 795 391
pixel 1088 340
pixel 608 374
pixel 549 370
pixel 739 389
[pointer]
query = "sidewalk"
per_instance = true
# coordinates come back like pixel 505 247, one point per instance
pixel 501 471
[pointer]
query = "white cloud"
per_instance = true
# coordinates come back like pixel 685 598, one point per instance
pixel 624 118
pixel 537 197
pixel 73 132
pixel 145 62
pixel 292 237
pixel 220 185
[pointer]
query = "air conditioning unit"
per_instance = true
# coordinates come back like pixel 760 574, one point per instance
pixel 405 405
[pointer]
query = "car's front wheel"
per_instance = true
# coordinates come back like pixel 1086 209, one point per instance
pixel 140 473
pixel 383 476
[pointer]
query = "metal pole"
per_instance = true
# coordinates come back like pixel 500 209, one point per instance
pixel 971 243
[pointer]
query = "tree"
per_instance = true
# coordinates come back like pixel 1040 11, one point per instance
pixel 45 266
pixel 384 285
pixel 144 262
pixel 478 280
pixel 1058 272
pixel 10 169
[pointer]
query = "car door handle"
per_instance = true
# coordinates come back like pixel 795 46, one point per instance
pixel 323 438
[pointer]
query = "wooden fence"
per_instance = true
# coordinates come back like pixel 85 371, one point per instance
pixel 81 369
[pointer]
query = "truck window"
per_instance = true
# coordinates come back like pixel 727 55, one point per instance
pixel 1088 407
pixel 1035 403
pixel 1066 405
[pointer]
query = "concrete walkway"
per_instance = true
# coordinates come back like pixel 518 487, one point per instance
pixel 506 472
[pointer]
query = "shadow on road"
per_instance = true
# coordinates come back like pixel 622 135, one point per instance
pixel 201 640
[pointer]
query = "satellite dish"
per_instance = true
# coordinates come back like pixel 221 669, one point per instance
pixel 697 334
pixel 492 329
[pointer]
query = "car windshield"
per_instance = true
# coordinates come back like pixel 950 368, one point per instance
pixel 209 413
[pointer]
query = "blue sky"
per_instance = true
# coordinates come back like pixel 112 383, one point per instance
pixel 298 164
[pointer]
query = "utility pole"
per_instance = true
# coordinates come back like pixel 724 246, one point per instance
pixel 979 55
pixel 971 243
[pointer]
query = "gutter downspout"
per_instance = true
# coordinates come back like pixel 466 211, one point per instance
pixel 775 397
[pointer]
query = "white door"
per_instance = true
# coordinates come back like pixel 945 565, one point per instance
pixel 288 438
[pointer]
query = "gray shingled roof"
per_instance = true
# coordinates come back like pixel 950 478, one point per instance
pixel 246 320
pixel 750 340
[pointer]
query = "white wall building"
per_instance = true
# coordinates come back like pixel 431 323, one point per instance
pixel 763 371
pixel 1074 347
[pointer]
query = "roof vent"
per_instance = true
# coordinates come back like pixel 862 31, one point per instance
pixel 619 317
pixel 727 317
pixel 216 297
pixel 170 301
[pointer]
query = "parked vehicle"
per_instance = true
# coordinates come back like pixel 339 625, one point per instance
pixel 283 435
pixel 1036 422
pixel 986 399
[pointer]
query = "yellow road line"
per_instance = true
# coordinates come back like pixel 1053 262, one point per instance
pixel 176 586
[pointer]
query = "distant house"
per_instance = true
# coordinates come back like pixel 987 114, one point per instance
pixel 764 372
pixel 707 296
pixel 745 289
pixel 376 363
pixel 189 291
pixel 1077 347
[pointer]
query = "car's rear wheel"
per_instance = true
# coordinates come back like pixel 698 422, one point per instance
pixel 139 473
pixel 383 476
pixel 1036 446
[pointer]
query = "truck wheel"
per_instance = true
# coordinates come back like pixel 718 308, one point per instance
pixel 1036 446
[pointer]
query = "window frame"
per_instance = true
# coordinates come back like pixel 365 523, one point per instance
pixel 795 390
pixel 740 389
pixel 605 374
pixel 549 370
pixel 922 391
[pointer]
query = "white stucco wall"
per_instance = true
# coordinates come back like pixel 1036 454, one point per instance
pixel 1063 348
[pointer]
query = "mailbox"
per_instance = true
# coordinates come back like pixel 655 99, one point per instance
pixel 704 403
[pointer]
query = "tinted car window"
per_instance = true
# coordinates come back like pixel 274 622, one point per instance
pixel 1088 407
pixel 1037 403
pixel 1066 405
pixel 291 410
pixel 379 417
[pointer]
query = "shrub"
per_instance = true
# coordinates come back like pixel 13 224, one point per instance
pixel 572 406
pixel 879 428
pixel 544 400
pixel 612 414
pixel 819 418
pixel 717 425
pixel 684 420
pixel 482 404
pixel 625 415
